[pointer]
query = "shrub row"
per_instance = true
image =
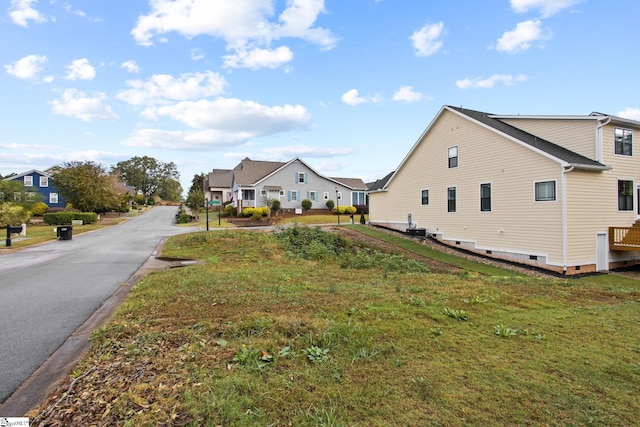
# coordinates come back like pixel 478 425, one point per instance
pixel 61 218
pixel 256 213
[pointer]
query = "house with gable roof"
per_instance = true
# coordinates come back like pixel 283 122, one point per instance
pixel 38 182
pixel 556 192
pixel 253 181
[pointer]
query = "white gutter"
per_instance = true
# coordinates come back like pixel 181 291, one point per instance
pixel 599 144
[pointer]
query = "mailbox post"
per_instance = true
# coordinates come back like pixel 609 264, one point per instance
pixel 12 230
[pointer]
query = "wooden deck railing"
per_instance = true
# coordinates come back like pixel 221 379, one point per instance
pixel 624 238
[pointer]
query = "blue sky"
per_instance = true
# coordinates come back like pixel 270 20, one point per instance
pixel 346 85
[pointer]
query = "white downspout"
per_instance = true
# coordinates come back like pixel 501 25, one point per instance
pixel 599 154
pixel 565 237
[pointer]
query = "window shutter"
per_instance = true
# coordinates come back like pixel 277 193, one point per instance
pixel 305 177
pixel 289 195
pixel 297 177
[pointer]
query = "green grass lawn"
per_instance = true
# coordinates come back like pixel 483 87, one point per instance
pixel 304 330
pixel 43 233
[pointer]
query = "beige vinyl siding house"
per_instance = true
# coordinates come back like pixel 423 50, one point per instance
pixel 480 182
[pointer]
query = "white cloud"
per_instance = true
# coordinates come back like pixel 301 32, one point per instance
pixel 407 94
pixel 197 54
pixel 21 12
pixel 259 58
pixel 220 123
pixel 630 113
pixel 489 83
pixel 75 103
pixel 162 88
pixel 546 7
pixel 245 25
pixel 522 37
pixel 80 69
pixel 131 66
pixel 352 97
pixel 304 151
pixel 27 67
pixel 427 41
pixel 234 115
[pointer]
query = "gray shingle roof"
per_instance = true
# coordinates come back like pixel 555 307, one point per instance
pixel 548 147
pixel 248 171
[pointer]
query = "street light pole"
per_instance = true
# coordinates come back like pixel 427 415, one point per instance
pixel 338 205
pixel 206 209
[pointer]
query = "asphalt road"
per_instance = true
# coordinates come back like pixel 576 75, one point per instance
pixel 48 291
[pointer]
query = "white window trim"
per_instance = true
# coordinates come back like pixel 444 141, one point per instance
pixel 428 197
pixel 490 199
pixel 457 156
pixel 44 181
pixel 28 178
pixel 555 185
pixel 614 142
pixel 455 187
pixel 634 187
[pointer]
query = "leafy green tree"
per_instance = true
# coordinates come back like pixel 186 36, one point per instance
pixel 195 201
pixel 88 186
pixel 12 191
pixel 195 197
pixel 197 183
pixel 146 174
pixel 171 191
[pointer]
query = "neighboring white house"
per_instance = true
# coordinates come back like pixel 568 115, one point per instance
pixel 252 182
pixel 557 192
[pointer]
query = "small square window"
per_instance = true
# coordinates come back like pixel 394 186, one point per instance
pixel 28 181
pixel 44 181
pixel 545 191
pixel 453 157
pixel 53 198
pixel 425 197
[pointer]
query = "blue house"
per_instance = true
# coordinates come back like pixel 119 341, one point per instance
pixel 39 182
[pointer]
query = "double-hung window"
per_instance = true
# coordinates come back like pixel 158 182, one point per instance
pixel 28 181
pixel 44 181
pixel 452 153
pixel 623 141
pixel 625 195
pixel 312 195
pixel 485 197
pixel 301 177
pixel 425 197
pixel 545 191
pixel 358 198
pixel 451 199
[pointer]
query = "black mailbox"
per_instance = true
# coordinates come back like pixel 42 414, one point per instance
pixel 12 229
